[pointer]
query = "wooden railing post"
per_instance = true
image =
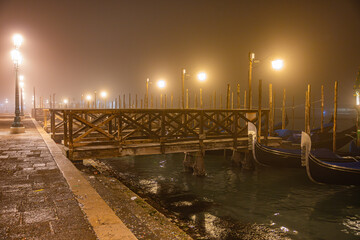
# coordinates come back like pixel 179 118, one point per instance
pixel 65 128
pixel 53 123
pixel 71 140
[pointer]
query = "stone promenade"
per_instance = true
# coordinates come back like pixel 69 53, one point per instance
pixel 43 196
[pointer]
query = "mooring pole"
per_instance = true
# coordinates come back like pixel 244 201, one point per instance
pixel 228 97
pixel 322 109
pixel 259 109
pixel 335 115
pixel 271 125
pixel 238 96
pixel 283 110
pixel 293 113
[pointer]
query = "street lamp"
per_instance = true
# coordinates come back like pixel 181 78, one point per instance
pixel 103 94
pixel 88 98
pixel 22 94
pixel 65 101
pixel 17 126
pixel 161 84
pixel 277 64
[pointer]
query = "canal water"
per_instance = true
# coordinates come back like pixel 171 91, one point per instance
pixel 231 203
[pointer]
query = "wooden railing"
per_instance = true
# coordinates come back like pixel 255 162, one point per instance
pixel 89 127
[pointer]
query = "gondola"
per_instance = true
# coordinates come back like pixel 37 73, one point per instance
pixel 330 168
pixel 270 156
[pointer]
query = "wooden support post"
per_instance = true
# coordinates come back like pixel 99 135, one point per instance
pixel 165 102
pixel 245 99
pixel 228 97
pixel 283 110
pixel 259 109
pixel 322 110
pixel 136 101
pixel 232 100
pixel 142 104
pixel 335 115
pixel 273 111
pixel 187 98
pixel 211 102
pixel 195 102
pixel 152 101
pixel 65 128
pixel 201 99
pixel 171 101
pixel 214 99
pixel 161 101
pixel 71 143
pixel 309 108
pixel 221 102
pixel 130 100
pixel 238 96
pixel 34 104
pixel 271 128
pixel 306 111
pixel 124 104
pixel 53 124
pixel 50 103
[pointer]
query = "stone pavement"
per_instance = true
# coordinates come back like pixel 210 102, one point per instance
pixel 35 199
pixel 44 196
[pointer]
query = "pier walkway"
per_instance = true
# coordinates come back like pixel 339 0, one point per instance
pixel 44 196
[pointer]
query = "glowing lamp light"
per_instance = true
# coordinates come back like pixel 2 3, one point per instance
pixel 6 101
pixel 88 97
pixel 277 64
pixel 17 39
pixel 357 98
pixel 161 83
pixel 65 101
pixel 21 84
pixel 202 76
pixel 21 78
pixel 16 57
pixel 103 94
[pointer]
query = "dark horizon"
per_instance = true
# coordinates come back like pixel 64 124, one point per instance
pixel 73 48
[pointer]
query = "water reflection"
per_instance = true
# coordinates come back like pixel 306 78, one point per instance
pixel 234 204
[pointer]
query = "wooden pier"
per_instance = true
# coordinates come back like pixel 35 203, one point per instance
pixel 102 133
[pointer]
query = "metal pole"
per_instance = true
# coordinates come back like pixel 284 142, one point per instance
pixel 17 119
pixel 22 103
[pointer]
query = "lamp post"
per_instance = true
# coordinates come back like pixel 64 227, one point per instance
pixel 277 65
pixel 104 95
pixel 22 95
pixel 357 107
pixel 17 126
pixel 88 98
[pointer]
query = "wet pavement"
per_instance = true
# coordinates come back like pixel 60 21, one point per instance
pixel 36 202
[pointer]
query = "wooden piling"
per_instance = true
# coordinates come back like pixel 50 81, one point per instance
pixel 322 110
pixel 259 109
pixel 238 96
pixel 201 99
pixel 228 97
pixel 195 102
pixel 271 124
pixel 309 108
pixel 293 113
pixel 283 110
pixel 214 99
pixel 171 101
pixel 124 105
pixel 245 99
pixel 187 98
pixel 221 105
pixel 335 115
pixel 232 100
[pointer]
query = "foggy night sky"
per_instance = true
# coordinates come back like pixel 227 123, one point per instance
pixel 75 47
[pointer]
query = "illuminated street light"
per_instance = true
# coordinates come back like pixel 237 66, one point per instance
pixel 17 39
pixel 65 101
pixel 161 84
pixel 277 64
pixel 88 98
pixel 103 94
pixel 202 76
pixel 17 126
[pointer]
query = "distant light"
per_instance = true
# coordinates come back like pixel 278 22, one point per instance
pixel 202 76
pixel 357 98
pixel 161 83
pixel 88 97
pixel 17 39
pixel 21 84
pixel 66 101
pixel 6 101
pixel 252 56
pixel 16 57
pixel 103 94
pixel 21 78
pixel 277 64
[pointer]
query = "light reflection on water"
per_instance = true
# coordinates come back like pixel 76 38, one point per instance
pixel 231 203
